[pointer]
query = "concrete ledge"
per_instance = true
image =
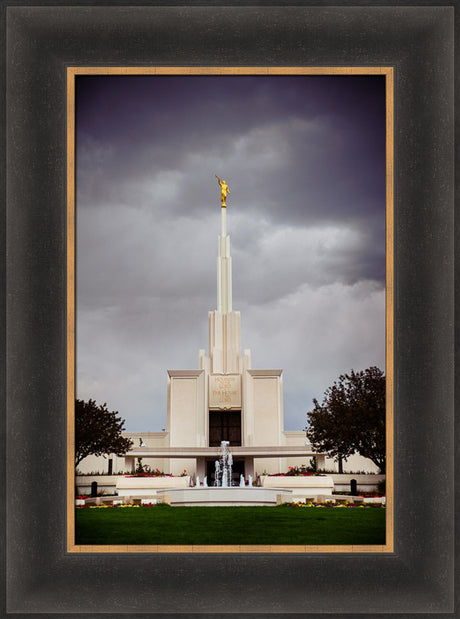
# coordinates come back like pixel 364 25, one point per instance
pixel 361 478
pixel 225 496
pixel 365 483
pixel 196 496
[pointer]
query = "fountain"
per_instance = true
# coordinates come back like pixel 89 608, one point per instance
pixel 224 467
pixel 271 492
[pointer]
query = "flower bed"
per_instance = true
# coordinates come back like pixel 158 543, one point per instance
pixel 329 504
pixel 297 471
pixel 367 495
pixel 144 471
pixel 119 505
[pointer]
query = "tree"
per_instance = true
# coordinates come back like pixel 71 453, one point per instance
pixel 98 431
pixel 351 418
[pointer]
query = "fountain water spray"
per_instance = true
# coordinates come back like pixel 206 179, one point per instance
pixel 224 467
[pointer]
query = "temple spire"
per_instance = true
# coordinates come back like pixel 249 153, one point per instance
pixel 224 260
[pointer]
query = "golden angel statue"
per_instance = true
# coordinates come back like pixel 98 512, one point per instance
pixel 224 189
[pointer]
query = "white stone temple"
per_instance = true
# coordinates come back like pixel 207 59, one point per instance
pixel 223 400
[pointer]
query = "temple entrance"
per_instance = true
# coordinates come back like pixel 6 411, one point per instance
pixel 224 426
pixel 237 470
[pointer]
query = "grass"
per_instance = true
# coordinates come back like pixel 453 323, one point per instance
pixel 163 524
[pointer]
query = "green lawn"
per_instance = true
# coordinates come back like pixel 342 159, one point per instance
pixel 230 525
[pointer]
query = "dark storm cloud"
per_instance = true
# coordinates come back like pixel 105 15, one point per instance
pixel 305 161
pixel 312 131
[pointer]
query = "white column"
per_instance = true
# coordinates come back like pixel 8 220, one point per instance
pixel 224 268
pixel 223 220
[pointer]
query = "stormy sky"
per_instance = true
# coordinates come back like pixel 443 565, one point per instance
pixel 304 157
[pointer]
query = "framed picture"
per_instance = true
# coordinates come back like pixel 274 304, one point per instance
pixel 45 45
pixel 318 210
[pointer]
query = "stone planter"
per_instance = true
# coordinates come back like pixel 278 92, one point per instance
pixel 143 486
pixel 305 485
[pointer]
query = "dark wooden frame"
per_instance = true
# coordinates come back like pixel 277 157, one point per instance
pixel 418 41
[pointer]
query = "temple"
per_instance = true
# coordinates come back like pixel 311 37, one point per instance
pixel 223 400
